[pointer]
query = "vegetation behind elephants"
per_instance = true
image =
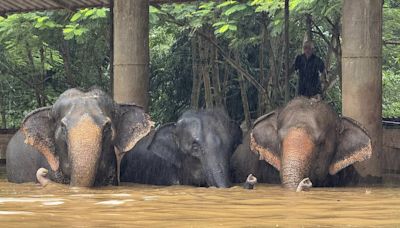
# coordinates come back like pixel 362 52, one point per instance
pixel 204 54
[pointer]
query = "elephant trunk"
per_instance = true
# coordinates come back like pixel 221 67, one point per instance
pixel 85 149
pixel 219 178
pixel 216 170
pixel 297 150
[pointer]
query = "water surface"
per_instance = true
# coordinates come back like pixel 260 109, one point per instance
pixel 29 205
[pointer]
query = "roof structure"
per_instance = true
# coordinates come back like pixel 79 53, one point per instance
pixel 17 6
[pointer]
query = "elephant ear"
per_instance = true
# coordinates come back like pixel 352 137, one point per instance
pixel 264 139
pixel 163 144
pixel 354 145
pixel 38 129
pixel 132 125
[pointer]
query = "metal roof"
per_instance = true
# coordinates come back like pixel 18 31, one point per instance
pixel 16 6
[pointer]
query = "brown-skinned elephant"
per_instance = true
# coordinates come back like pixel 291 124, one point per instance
pixel 307 138
pixel 80 139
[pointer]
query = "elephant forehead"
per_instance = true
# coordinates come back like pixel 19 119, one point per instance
pixel 315 124
pixel 191 126
pixel 87 103
pixel 85 131
pixel 298 140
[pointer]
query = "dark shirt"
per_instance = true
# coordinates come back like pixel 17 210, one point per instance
pixel 309 69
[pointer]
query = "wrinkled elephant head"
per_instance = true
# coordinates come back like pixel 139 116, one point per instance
pixel 209 138
pixel 308 139
pixel 84 135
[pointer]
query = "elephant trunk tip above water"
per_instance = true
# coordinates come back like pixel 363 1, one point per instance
pixel 41 176
pixel 307 138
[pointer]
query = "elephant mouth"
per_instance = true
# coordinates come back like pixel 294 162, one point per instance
pixel 218 177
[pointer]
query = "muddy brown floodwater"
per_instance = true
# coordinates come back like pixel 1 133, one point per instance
pixel 28 205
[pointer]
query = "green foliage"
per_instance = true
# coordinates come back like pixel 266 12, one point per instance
pixel 37 49
pixel 391 92
pixel 391 60
pixel 42 54
pixel 79 22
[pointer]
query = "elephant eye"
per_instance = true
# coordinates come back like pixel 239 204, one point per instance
pixel 196 149
pixel 63 128
pixel 107 127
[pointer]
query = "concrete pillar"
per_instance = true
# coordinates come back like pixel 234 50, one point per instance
pixel 131 51
pixel 362 73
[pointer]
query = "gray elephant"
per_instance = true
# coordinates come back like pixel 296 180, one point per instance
pixel 80 139
pixel 245 162
pixel 194 151
pixel 305 139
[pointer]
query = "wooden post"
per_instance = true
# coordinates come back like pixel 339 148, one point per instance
pixel 362 73
pixel 131 52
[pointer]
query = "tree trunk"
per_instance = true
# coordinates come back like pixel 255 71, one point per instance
pixel 205 71
pixel 215 77
pixel 308 36
pixel 287 89
pixel 42 76
pixel 3 110
pixel 273 73
pixel 196 82
pixel 261 95
pixel 233 63
pixel 35 81
pixel 100 75
pixel 225 82
pixel 243 93
pixel 111 43
pixel 338 54
pixel 3 118
pixel 67 63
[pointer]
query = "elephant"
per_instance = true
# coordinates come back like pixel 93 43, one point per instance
pixel 304 139
pixel 245 162
pixel 193 151
pixel 80 139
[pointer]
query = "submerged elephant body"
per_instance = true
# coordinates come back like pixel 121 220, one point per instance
pixel 245 162
pixel 308 139
pixel 80 139
pixel 194 151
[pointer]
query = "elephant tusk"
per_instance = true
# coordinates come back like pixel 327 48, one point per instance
pixel 304 185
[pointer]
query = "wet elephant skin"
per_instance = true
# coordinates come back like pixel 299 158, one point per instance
pixel 78 139
pixel 195 150
pixel 306 138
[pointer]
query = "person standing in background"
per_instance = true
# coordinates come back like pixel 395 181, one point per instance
pixel 309 67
